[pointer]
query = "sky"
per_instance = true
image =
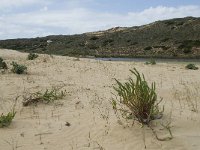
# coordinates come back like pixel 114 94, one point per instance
pixel 36 18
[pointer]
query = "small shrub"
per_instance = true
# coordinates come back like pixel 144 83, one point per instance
pixel 94 38
pixel 137 99
pixel 5 120
pixel 92 46
pixel 165 39
pixel 32 56
pixel 107 42
pixel 133 43
pixel 191 67
pixel 147 48
pixel 186 51
pixel 152 62
pixel 3 64
pixel 46 97
pixel 18 69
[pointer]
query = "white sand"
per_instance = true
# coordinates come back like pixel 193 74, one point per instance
pixel 87 108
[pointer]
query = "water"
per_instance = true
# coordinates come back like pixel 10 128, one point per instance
pixel 148 59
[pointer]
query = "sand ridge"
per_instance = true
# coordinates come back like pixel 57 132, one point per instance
pixel 93 124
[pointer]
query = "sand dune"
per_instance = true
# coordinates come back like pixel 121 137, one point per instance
pixel 87 108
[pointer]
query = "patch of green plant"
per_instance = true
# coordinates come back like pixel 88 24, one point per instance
pixel 32 56
pixel 5 120
pixel 163 47
pixel 147 48
pixel 165 39
pixel 47 97
pixel 169 22
pixel 187 45
pixel 3 64
pixel 191 67
pixel 151 62
pixel 92 46
pixel 107 42
pixel 186 51
pixel 18 69
pixel 94 38
pixel 137 99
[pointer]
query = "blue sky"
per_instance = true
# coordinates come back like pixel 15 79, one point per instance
pixel 33 18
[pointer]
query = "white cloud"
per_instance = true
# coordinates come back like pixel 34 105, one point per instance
pixel 45 8
pixel 7 4
pixel 81 20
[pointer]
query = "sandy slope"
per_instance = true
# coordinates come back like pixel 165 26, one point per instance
pixel 86 106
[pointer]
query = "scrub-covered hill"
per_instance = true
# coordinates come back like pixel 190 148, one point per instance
pixel 173 38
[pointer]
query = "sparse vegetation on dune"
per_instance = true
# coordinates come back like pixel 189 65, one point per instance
pixel 191 67
pixel 5 120
pixel 47 97
pixel 3 64
pixel 32 56
pixel 44 117
pixel 18 69
pixel 151 62
pixel 139 99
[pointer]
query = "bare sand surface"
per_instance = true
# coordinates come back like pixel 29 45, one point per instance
pixel 94 126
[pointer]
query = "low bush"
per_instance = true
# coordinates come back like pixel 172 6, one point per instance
pixel 5 120
pixel 18 69
pixel 46 97
pixel 3 64
pixel 152 62
pixel 147 48
pixel 191 67
pixel 94 38
pixel 32 56
pixel 137 99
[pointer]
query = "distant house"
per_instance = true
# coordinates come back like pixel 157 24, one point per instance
pixel 49 41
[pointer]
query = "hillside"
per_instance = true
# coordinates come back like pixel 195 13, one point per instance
pixel 175 38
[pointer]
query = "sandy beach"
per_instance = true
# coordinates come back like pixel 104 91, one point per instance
pixel 86 107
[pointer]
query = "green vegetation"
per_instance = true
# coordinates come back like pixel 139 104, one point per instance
pixel 94 38
pixel 3 64
pixel 5 120
pixel 147 48
pixel 165 39
pixel 32 56
pixel 137 99
pixel 18 69
pixel 152 62
pixel 47 97
pixel 191 67
pixel 187 45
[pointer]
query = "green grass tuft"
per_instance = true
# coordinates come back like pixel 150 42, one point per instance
pixel 32 56
pixel 137 99
pixel 3 64
pixel 5 120
pixel 18 69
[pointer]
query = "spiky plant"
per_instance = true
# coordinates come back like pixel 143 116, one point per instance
pixel 5 120
pixel 3 64
pixel 18 69
pixel 137 99
pixel 32 56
